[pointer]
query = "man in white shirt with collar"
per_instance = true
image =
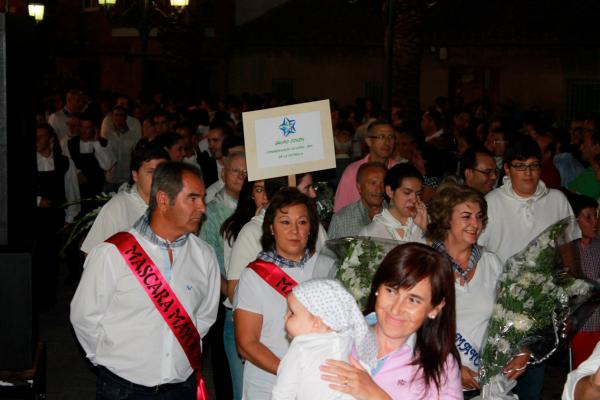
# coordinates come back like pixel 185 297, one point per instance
pixel 58 120
pixel 92 158
pixel 132 122
pixel 518 211
pixel 431 125
pixel 122 139
pixel 123 333
pixel 131 202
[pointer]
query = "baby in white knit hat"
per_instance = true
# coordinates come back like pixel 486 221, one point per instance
pixel 324 322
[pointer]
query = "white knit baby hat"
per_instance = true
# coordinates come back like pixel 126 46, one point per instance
pixel 330 301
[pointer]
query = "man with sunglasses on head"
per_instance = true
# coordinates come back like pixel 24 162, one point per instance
pixel 518 211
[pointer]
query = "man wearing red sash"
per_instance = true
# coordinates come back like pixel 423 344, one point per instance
pixel 147 296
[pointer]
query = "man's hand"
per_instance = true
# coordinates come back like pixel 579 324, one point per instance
pixel 45 203
pixel 517 365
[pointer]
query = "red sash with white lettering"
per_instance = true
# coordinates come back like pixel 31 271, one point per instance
pixel 274 276
pixel 165 301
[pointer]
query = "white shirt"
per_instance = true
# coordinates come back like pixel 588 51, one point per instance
pixel 247 246
pixel 46 164
pixel 202 144
pixel 514 221
pixel 588 367
pixel 385 226
pixel 118 214
pixel 253 294
pixel 132 122
pixel 119 327
pixel 299 376
pixel 475 302
pixel 121 145
pixel 435 135
pixel 58 121
pixel 102 154
pixel 192 160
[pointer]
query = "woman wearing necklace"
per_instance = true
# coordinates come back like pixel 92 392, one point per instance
pixel 406 218
pixel 458 216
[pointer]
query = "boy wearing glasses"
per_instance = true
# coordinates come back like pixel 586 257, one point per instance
pixel 518 211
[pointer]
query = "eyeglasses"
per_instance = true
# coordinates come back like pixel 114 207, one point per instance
pixel 523 167
pixel 487 172
pixel 239 172
pixel 391 138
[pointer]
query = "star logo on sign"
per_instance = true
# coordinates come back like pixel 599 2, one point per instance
pixel 288 126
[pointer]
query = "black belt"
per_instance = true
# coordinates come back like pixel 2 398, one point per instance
pixel 165 387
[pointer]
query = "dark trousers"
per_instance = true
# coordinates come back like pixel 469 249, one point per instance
pixel 45 256
pixel 531 383
pixel 218 358
pixel 112 387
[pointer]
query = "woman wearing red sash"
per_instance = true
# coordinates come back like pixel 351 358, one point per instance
pixel 290 231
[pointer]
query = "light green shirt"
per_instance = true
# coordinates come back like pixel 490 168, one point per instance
pixel 217 211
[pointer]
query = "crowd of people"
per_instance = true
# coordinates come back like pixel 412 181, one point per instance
pixel 461 190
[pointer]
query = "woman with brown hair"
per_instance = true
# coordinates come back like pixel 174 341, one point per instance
pixel 409 352
pixel 458 216
pixel 290 229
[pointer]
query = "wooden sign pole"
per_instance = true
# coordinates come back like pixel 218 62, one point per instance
pixel 292 180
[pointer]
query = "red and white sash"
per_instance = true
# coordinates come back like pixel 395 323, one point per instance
pixel 274 276
pixel 165 301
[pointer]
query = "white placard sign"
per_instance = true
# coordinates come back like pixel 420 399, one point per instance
pixel 288 140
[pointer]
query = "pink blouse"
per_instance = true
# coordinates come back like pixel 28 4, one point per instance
pixel 401 380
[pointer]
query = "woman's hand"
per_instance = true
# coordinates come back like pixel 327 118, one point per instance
pixel 468 377
pixel 517 365
pixel 421 219
pixel 352 379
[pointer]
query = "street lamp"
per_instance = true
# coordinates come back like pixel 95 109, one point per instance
pixel 177 4
pixel 36 10
pixel 107 3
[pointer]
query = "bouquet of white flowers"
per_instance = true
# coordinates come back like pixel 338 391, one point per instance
pixel 534 298
pixel 84 222
pixel 358 259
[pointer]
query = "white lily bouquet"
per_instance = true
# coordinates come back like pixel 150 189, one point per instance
pixel 533 300
pixel 358 259
pixel 84 222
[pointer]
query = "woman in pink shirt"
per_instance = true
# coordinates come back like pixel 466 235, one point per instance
pixel 409 352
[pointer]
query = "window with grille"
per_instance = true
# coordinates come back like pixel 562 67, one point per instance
pixel 374 91
pixel 583 98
